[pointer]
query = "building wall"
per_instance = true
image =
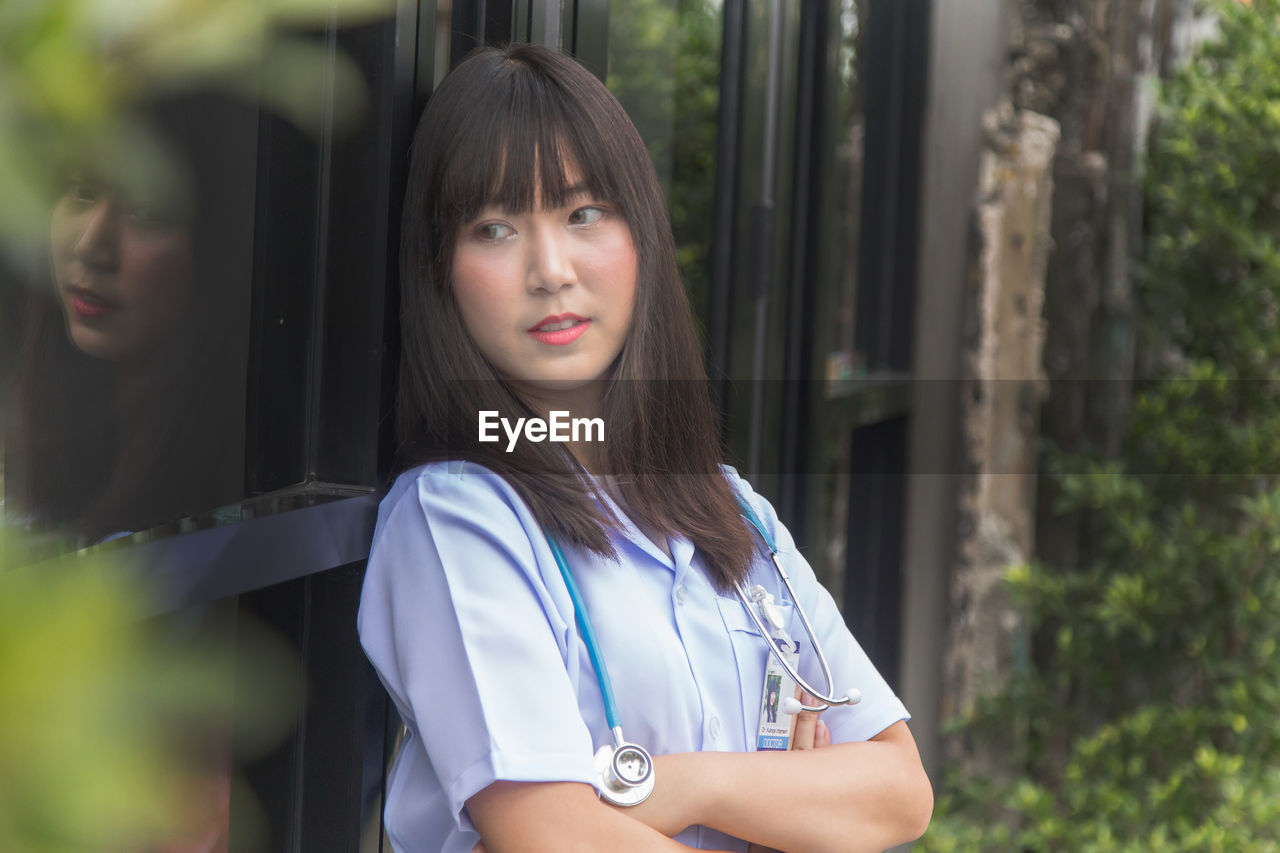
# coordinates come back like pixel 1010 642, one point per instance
pixel 966 77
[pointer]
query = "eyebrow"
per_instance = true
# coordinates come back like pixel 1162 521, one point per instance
pixel 572 193
pixel 579 189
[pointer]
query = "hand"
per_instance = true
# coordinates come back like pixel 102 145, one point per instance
pixel 811 733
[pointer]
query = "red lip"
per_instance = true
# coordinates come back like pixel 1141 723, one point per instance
pixel 560 337
pixel 88 304
pixel 556 318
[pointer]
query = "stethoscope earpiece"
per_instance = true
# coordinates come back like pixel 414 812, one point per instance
pixel 791 705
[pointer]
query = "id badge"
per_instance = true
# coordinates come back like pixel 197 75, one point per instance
pixel 776 727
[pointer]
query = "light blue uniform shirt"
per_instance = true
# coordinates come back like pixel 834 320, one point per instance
pixel 466 618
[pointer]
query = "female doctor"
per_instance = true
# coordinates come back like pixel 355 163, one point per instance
pixel 539 277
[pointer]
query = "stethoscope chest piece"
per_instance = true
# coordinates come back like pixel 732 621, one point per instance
pixel 625 773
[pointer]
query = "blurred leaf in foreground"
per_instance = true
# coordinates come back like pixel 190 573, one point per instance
pixel 68 66
pixel 115 730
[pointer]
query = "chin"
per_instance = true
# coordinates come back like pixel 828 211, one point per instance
pixel 102 347
pixel 558 384
pixel 566 387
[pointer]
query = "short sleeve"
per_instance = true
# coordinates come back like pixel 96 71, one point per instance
pixel 460 624
pixel 850 666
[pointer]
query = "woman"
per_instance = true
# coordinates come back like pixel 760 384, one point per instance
pixel 538 276
pixel 133 362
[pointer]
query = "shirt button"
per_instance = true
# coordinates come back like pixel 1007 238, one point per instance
pixel 682 594
pixel 715 728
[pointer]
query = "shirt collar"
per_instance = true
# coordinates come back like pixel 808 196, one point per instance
pixel 636 539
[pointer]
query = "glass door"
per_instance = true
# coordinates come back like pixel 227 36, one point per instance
pixel 786 136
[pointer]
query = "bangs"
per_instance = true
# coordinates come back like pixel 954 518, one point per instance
pixel 524 143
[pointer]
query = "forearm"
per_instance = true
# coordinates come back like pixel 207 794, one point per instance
pixel 849 797
pixel 558 817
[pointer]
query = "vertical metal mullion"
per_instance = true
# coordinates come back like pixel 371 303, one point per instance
pixel 764 215
pixel 276 781
pixel 721 287
pixel 805 244
pixel 913 64
pixel 877 232
pixel 590 35
pixel 420 58
pixel 893 165
pixel 520 21
pixel 467 20
pixel 873 561
pixel 568 26
pixel 545 17
pixel 886 266
pixel 315 348
pixel 298 828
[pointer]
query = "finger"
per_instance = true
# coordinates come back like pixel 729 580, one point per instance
pixel 479 848
pixel 806 724
pixel 821 735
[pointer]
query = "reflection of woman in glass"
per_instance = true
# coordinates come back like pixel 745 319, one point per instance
pixel 123 269
pixel 133 364
pixel 539 276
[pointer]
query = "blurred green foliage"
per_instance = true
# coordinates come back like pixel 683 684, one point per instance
pixel 68 68
pixel 115 728
pixel 1153 704
pixel 82 702
pixel 113 725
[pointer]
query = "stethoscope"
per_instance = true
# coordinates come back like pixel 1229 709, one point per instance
pixel 625 769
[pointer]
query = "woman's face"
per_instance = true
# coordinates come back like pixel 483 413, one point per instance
pixel 123 271
pixel 548 295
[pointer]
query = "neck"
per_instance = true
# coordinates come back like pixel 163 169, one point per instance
pixel 586 401
pixel 133 382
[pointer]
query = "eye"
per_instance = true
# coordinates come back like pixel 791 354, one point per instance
pixel 152 216
pixel 81 192
pixel 494 231
pixel 587 215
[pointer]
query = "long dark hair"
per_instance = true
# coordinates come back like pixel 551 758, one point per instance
pixel 76 465
pixel 501 117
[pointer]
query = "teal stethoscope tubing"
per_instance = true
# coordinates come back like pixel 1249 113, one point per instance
pixel 612 718
pixel 626 769
pixel 589 636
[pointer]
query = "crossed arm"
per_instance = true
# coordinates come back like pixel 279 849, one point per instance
pixel 846 797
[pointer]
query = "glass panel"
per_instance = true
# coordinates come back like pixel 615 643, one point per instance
pixel 163 346
pixel 845 134
pixel 664 66
pixel 837 360
pixel 127 393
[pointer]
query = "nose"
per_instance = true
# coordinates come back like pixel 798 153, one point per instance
pixel 551 266
pixel 98 245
